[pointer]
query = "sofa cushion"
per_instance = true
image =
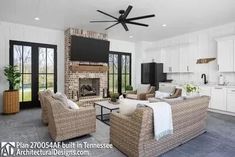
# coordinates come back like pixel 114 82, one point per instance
pixel 128 106
pixel 131 96
pixel 166 88
pixel 161 95
pixel 143 88
pixel 72 105
pixel 61 97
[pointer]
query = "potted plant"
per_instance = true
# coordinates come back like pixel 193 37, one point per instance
pixel 129 88
pixel 191 89
pixel 114 97
pixel 11 96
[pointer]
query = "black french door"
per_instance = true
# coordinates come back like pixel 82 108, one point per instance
pixel 119 75
pixel 37 64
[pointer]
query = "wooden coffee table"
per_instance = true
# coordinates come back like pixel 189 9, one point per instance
pixel 107 105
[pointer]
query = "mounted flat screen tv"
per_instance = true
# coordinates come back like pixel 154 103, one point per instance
pixel 89 50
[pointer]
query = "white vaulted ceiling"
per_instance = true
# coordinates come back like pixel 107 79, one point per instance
pixel 181 16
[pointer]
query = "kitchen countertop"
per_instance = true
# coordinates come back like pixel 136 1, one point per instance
pixel 210 84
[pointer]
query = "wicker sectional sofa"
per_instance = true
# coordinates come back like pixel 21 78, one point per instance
pixel 133 135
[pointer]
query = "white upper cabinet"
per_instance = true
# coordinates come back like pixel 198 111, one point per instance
pixel 225 54
pixel 178 59
pixel 171 59
pixel 186 58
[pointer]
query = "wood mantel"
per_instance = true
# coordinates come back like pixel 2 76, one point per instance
pixel 88 68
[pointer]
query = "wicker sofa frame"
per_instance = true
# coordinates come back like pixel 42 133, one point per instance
pixel 65 123
pixel 133 135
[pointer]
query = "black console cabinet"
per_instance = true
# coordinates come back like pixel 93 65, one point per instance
pixel 152 73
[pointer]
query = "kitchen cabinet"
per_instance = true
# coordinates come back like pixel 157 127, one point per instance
pixel 231 99
pixel 218 98
pixel 171 59
pixel 226 54
pixel 205 90
pixel 186 58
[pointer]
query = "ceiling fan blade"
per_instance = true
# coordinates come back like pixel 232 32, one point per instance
pixel 111 26
pixel 136 23
pixel 102 21
pixel 107 14
pixel 140 17
pixel 125 26
pixel 128 10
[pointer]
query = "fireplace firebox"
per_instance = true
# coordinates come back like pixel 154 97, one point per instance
pixel 89 87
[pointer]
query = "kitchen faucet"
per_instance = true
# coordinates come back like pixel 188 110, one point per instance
pixel 204 76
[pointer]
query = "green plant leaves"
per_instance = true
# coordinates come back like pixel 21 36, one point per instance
pixel 13 76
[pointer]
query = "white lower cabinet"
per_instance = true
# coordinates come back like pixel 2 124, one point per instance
pixel 231 99
pixel 204 90
pixel 218 98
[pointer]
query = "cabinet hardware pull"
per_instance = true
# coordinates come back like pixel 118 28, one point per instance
pixel 218 88
pixel 232 90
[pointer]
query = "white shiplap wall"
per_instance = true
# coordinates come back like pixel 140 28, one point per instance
pixel 11 31
pixel 205 46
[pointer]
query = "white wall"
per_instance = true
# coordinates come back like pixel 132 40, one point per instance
pixel 11 31
pixel 205 46
pixel 125 46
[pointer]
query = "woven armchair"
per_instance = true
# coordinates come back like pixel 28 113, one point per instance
pixel 65 123
pixel 133 135
pixel 141 96
pixel 44 113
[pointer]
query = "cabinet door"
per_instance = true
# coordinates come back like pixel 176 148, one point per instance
pixel 218 98
pixel 171 59
pixel 165 60
pixel 204 90
pixel 231 100
pixel 225 55
pixel 175 57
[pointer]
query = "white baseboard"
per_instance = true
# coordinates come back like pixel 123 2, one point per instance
pixel 222 112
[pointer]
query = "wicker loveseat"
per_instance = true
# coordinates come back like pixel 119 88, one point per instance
pixel 133 135
pixel 65 123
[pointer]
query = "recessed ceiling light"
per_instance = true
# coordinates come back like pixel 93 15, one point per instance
pixel 130 36
pixel 164 25
pixel 37 18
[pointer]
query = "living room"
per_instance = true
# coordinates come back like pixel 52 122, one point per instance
pixel 95 80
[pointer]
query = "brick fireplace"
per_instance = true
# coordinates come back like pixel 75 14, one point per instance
pixel 77 72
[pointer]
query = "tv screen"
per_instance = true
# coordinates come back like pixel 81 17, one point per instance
pixel 89 50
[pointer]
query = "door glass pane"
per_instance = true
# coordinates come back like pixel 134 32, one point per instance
pixel 42 82
pixel 123 83
pixel 128 64
pixel 111 83
pixel 127 79
pixel 115 83
pixel 50 82
pixel 17 49
pixel 50 60
pixel 27 59
pixel 42 60
pixel 123 63
pixel 27 90
pixel 110 63
pixel 115 61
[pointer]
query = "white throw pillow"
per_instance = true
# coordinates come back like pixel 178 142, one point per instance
pixel 166 88
pixel 128 106
pixel 161 95
pixel 61 97
pixel 143 88
pixel 72 105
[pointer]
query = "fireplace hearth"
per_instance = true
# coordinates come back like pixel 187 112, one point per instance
pixel 89 87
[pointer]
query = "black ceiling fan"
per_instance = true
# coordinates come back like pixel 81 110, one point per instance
pixel 123 18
